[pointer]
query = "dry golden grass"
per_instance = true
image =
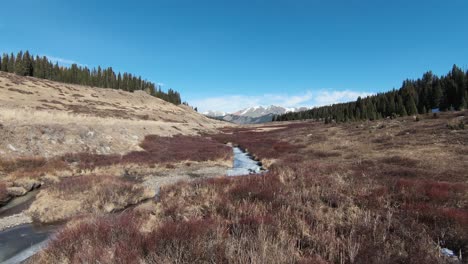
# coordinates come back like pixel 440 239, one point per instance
pixel 86 194
pixel 376 192
pixel 45 118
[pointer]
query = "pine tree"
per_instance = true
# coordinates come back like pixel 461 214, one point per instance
pixel 27 65
pixel 27 69
pixel 464 103
pixel 411 107
pixel 436 95
pixel 11 63
pixel 401 107
pixel 5 63
pixel 19 63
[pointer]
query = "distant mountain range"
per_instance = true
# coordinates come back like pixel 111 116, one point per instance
pixel 253 115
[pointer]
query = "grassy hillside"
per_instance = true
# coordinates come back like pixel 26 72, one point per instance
pixel 45 118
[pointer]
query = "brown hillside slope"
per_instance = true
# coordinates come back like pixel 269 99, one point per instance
pixel 45 118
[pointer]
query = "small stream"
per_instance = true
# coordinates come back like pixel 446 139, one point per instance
pixel 244 164
pixel 19 243
pixel 18 204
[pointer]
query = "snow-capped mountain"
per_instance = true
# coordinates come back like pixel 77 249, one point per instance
pixel 253 115
pixel 258 111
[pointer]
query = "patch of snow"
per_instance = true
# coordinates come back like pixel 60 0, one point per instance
pixel 245 111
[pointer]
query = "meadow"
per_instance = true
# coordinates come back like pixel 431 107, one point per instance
pixel 389 191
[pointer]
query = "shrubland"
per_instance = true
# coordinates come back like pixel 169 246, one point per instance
pixel 84 183
pixel 393 191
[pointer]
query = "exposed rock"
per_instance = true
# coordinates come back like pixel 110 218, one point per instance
pixel 27 184
pixel 11 147
pixel 16 191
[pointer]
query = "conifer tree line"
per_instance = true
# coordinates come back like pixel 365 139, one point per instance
pixel 449 92
pixel 25 64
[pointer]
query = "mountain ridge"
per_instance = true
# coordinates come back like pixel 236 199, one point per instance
pixel 253 115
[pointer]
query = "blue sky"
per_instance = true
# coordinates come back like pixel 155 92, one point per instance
pixel 227 55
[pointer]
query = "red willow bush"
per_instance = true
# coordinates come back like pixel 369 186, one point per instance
pixel 31 167
pixel 262 145
pixel 264 188
pixel 23 163
pixel 110 239
pixel 186 242
pixel 118 239
pixel 3 192
pixel 158 150
pixel 280 214
pixel 436 192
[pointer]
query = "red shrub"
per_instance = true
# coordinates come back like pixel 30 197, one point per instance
pixel 455 214
pixel 430 213
pixel 110 239
pixel 249 225
pixel 185 242
pixel 264 188
pixel 324 154
pixel 180 148
pixel 3 192
pixel 158 150
pixel 414 190
pixel 262 144
pixel 400 161
pixel 25 163
pixel 90 161
pixel 188 230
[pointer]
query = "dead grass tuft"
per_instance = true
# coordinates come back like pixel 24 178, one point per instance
pixel 86 194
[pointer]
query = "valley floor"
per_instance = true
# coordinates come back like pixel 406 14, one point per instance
pixel 389 191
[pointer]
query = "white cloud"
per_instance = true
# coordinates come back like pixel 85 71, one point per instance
pixel 63 61
pixel 326 97
pixel 233 103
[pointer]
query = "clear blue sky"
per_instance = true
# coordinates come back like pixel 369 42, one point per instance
pixel 225 55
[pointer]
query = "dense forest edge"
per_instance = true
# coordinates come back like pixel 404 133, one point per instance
pixel 421 96
pixel 26 64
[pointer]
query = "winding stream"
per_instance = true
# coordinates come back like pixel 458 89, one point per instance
pixel 244 164
pixel 19 243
